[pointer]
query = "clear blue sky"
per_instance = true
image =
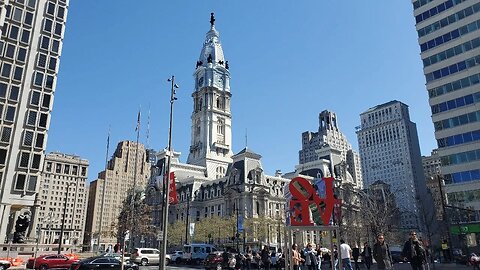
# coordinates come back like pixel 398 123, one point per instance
pixel 289 60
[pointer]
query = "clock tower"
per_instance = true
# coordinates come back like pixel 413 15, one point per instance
pixel 211 142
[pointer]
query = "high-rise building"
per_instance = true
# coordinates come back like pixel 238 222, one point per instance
pixel 390 153
pixel 125 171
pixel 449 39
pixel 62 173
pixel 30 47
pixel 329 136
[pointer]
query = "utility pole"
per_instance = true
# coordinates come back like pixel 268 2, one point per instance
pixel 166 195
pixel 188 214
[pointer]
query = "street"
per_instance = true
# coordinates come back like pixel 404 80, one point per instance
pixel 397 266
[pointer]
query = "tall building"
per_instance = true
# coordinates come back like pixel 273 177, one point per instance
pixel 390 152
pixel 323 144
pixel 432 171
pixel 62 173
pixel 125 170
pixel 449 39
pixel 215 182
pixel 30 47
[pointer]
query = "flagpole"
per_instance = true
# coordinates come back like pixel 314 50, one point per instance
pixel 163 251
pixel 103 193
pixel 132 221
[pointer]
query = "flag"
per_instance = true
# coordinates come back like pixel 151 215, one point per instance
pixel 173 199
pixel 138 122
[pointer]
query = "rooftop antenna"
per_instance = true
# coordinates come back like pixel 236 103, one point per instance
pixel 148 128
pixel 246 137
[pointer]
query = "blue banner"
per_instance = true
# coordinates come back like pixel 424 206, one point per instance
pixel 240 224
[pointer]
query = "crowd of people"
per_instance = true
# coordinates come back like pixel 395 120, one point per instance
pixel 312 258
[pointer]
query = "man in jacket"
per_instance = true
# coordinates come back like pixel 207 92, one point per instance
pixel 414 252
pixel 367 255
pixel 381 253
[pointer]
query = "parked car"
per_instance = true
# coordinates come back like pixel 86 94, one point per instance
pixel 146 256
pixel 4 264
pixel 50 261
pixel 196 253
pixel 176 256
pixel 102 263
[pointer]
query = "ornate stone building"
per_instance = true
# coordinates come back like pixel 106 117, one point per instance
pixel 214 182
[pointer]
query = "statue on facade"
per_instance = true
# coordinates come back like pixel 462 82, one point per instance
pixel 209 58
pixel 21 226
pixel 212 19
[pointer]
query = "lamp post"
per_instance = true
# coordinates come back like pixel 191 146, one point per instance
pixel 186 222
pixel 60 239
pixel 162 265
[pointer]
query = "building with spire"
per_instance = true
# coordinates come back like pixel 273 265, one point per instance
pixel 31 41
pixel 214 182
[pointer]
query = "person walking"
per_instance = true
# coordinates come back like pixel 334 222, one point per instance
pixel 345 255
pixel 414 252
pixel 319 257
pixel 266 259
pixel 381 254
pixel 367 255
pixel 296 258
pixel 310 258
pixel 355 255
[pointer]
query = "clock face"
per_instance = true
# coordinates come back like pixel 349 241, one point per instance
pixel 220 81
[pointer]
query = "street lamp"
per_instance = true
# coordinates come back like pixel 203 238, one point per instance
pixel 163 251
pixel 188 214
pixel 63 218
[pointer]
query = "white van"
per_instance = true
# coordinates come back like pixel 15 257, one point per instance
pixel 196 253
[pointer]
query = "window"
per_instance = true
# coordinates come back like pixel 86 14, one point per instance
pixel 42 60
pixel 28 138
pixel 43 120
pixel 36 161
pixel 51 8
pixel 32 118
pixel 17 15
pixel 32 183
pixel 10 113
pixel 31 3
pixel 58 168
pixel 14 92
pixel 40 140
pixel 58 29
pixel 22 54
pixel 49 167
pixel 35 98
pixel 45 43
pixel 14 32
pixel 3 156
pixel 3 89
pixel 38 79
pixel 28 18
pixel 55 45
pixel 10 51
pixel 25 36
pixel 66 170
pixel 6 133
pixel 17 75
pixel 49 82
pixel 47 26
pixel 52 64
pixel 61 12
pixel 6 69
pixel 20 183
pixel 46 101
pixel 24 159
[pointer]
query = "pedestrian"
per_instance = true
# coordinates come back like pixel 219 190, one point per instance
pixel 367 255
pixel 345 255
pixel 381 253
pixel 266 259
pixel 319 257
pixel 248 259
pixel 327 258
pixel 355 255
pixel 335 257
pixel 310 257
pixel 296 258
pixel 414 252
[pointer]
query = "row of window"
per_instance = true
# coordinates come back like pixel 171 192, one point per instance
pixel 382 136
pixel 16 32
pixel 66 168
pixel 43 80
pixel 29 3
pixel 50 10
pixel 7 69
pixel 6 134
pixel 22 183
pixel 48 27
pixel 456 103
pixel 464 196
pixel 436 10
pixel 457 121
pixel 448 20
pixel 420 3
pixel 450 36
pixel 9 114
pixel 452 69
pixel 13 52
pixel 460 177
pixel 18 14
pixel 454 86
pixel 29 160
pixel 460 158
pixel 13 94
pixel 459 139
pixel 459 49
pixel 50 44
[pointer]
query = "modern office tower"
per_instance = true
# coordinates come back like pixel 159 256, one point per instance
pixel 449 39
pixel 62 173
pixel 432 171
pixel 125 170
pixel 30 48
pixel 329 135
pixel 390 152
